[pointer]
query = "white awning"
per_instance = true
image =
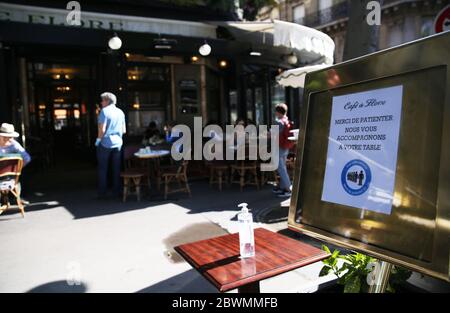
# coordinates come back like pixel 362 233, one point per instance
pixel 296 77
pixel 304 39
pixel 312 46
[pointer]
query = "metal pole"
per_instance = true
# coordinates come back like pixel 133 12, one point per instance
pixel 381 277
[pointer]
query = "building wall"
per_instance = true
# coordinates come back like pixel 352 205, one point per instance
pixel 401 21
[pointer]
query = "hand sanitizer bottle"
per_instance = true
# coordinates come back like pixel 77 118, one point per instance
pixel 246 238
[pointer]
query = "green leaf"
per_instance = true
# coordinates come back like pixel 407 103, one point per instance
pixel 335 253
pixel 326 249
pixel 324 271
pixel 353 285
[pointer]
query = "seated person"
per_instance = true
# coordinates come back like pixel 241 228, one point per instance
pixel 10 146
pixel 152 135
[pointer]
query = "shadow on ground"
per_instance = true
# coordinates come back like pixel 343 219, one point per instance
pixel 186 282
pixel 60 286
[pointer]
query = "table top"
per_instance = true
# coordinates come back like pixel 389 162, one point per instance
pixel 218 258
pixel 152 154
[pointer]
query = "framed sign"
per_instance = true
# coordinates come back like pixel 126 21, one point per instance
pixel 373 165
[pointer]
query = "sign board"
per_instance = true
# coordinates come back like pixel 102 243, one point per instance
pixel 362 149
pixel 442 21
pixel 112 22
pixel 372 171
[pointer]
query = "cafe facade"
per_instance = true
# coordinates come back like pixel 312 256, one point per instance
pixel 52 72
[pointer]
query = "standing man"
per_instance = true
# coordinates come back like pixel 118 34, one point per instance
pixel 284 189
pixel 111 127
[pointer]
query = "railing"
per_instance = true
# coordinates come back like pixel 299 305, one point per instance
pixel 337 12
pixel 325 16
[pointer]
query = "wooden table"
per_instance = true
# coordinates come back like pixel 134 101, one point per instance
pixel 218 259
pixel 155 156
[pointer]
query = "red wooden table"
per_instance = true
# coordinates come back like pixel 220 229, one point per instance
pixel 218 259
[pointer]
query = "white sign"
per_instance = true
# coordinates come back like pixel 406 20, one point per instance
pixel 362 149
pixel 111 22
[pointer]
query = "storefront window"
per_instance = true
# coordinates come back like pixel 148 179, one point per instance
pixel 249 103
pixel 147 73
pixel 233 106
pixel 278 96
pixel 259 107
pixel 144 107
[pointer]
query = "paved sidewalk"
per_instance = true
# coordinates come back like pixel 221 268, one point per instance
pixel 110 246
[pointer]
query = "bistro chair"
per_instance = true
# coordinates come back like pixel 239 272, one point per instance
pixel 133 175
pixel 10 171
pixel 269 177
pixel 244 173
pixel 218 173
pixel 176 175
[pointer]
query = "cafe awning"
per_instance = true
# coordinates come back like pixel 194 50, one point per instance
pixel 310 45
pixel 296 77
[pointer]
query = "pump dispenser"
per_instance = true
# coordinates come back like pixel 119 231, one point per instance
pixel 246 236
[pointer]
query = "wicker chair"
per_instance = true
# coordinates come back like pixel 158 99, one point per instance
pixel 10 171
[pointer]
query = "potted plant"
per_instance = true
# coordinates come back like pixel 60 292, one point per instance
pixel 352 272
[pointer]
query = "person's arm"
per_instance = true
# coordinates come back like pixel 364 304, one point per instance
pixel 23 153
pixel 124 126
pixel 101 127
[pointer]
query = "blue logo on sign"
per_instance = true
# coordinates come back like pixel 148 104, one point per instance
pixel 356 177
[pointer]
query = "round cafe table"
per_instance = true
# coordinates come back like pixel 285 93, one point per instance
pixel 154 157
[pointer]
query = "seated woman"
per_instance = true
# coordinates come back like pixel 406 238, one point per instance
pixel 152 135
pixel 10 146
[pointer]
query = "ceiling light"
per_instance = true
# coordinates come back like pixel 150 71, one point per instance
pixel 255 53
pixel 292 59
pixel 223 63
pixel 205 49
pixel 115 42
pixel 194 58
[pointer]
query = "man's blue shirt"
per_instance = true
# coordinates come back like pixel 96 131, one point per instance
pixel 114 118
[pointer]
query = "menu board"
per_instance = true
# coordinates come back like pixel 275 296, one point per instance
pixel 362 149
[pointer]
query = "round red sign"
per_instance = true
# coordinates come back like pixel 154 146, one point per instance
pixel 442 22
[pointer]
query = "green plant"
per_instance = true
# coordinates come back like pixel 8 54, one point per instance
pixel 353 270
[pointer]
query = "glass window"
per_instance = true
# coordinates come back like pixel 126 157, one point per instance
pixel 278 96
pixel 427 26
pixel 298 13
pixel 249 103
pixel 259 107
pixel 233 106
pixel 145 99
pixel 324 4
pixel 148 73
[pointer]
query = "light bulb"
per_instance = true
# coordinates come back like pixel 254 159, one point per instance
pixel 115 43
pixel 205 49
pixel 292 59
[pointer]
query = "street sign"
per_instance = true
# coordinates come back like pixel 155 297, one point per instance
pixel 442 21
pixel 372 171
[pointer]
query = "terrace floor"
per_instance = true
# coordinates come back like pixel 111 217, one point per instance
pixel 110 246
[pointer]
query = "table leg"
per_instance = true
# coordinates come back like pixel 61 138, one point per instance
pixel 249 288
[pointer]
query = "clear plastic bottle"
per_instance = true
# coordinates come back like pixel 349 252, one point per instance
pixel 246 237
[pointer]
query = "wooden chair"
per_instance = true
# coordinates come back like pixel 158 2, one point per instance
pixel 131 180
pixel 218 173
pixel 176 174
pixel 10 171
pixel 134 174
pixel 243 169
pixel 269 176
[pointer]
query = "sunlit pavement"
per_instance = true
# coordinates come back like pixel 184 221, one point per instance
pixel 110 246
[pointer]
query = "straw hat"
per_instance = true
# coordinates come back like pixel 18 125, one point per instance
pixel 7 130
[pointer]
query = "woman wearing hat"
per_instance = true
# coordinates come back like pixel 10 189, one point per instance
pixel 10 146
